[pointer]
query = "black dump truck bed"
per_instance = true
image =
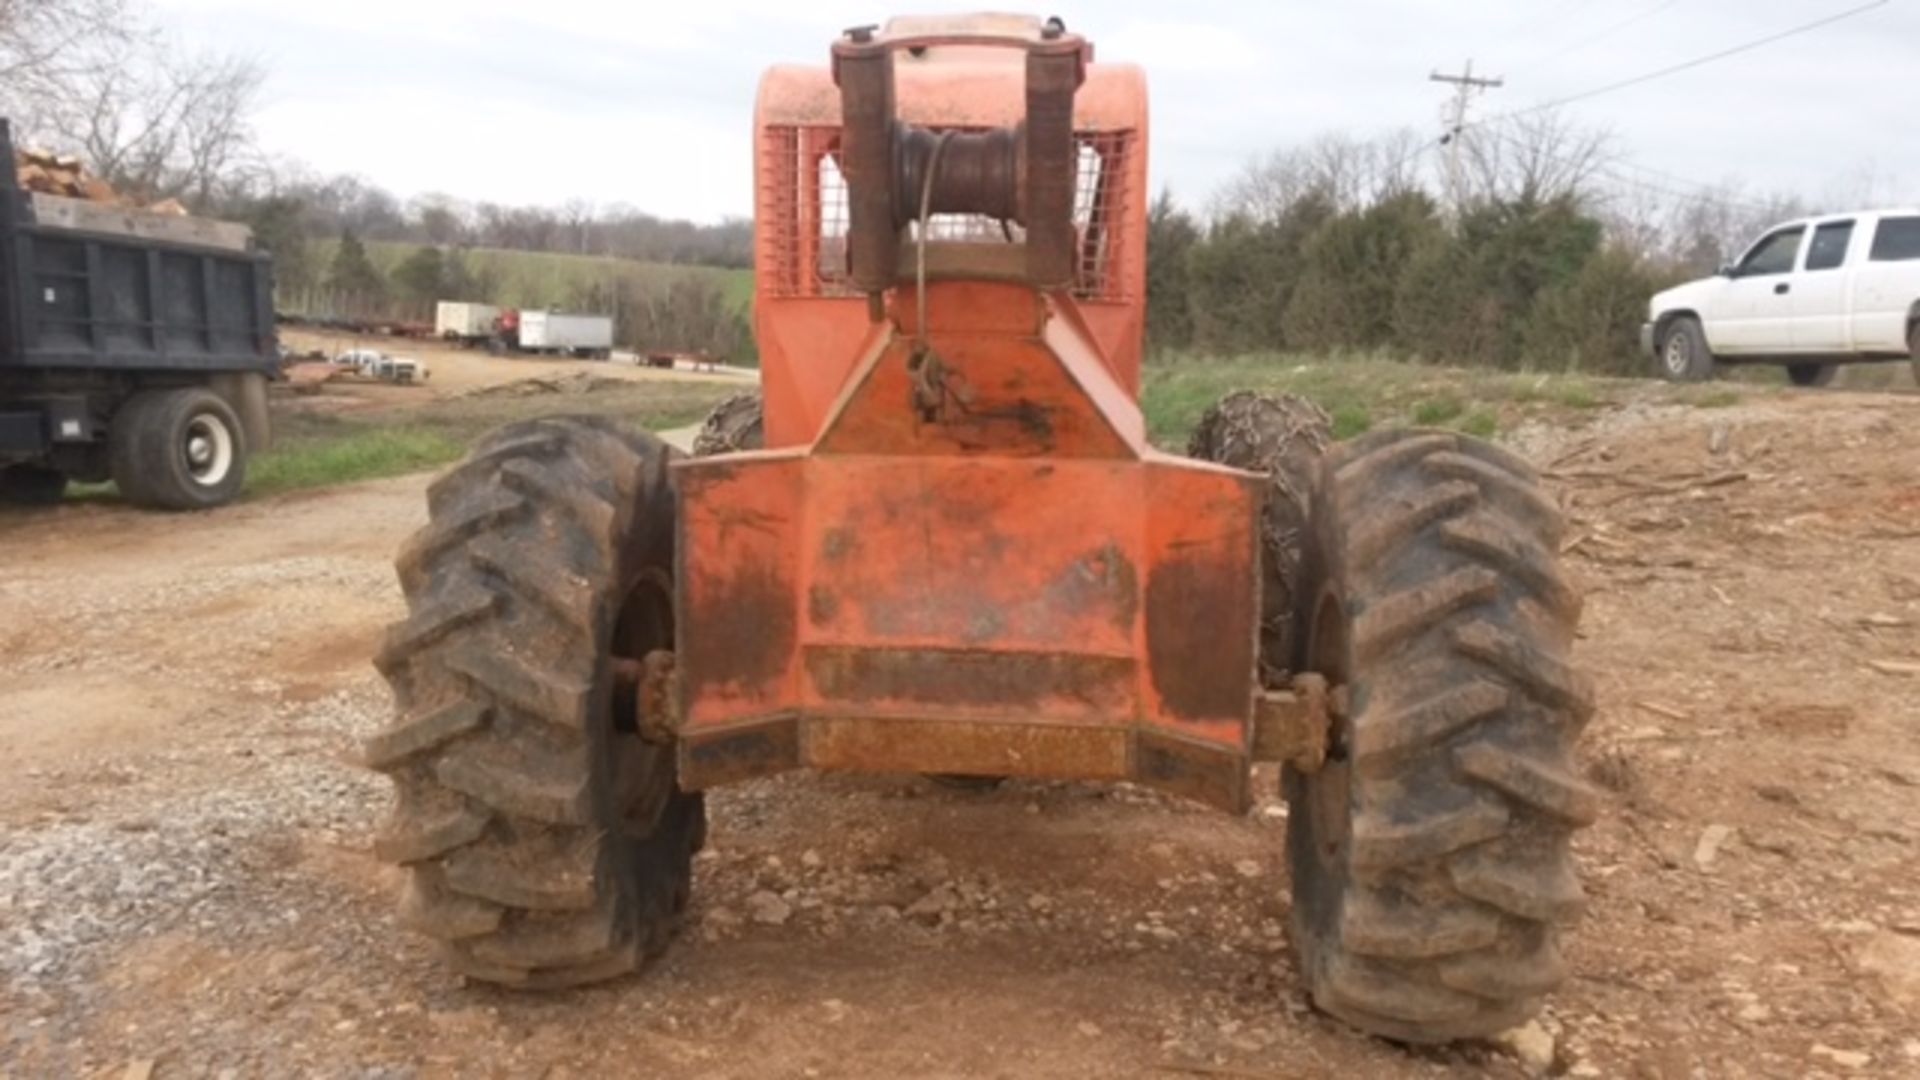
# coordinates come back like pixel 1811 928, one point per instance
pixel 92 286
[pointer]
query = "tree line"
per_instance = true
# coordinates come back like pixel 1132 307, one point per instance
pixel 1531 246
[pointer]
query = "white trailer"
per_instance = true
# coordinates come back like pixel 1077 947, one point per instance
pixel 556 332
pixel 458 321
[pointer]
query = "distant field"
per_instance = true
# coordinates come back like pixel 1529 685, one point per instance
pixel 539 279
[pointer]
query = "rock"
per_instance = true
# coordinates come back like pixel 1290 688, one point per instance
pixel 768 909
pixel 1718 438
pixel 1846 1059
pixel 937 902
pixel 1247 868
pixel 1708 849
pixel 1530 1044
pixel 811 859
pixel 1893 960
pixel 1088 1028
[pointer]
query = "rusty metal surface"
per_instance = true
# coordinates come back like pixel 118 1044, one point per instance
pixel 739 752
pixel 1021 564
pixel 1023 170
pixel 978 173
pixel 964 558
pixel 970 748
pixel 657 708
pixel 1057 684
pixel 1294 726
pixel 1197 771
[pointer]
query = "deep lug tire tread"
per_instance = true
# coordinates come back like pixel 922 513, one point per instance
pixel 738 423
pixel 1283 437
pixel 1440 920
pixel 513 857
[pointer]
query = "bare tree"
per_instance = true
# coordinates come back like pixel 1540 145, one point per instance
pixel 1537 157
pixel 149 118
pixel 45 42
pixel 1348 172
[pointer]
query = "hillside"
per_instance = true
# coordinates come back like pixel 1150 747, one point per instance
pixel 537 279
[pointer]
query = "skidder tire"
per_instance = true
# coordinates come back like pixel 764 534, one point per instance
pixel 1284 437
pixel 547 843
pixel 1430 856
pixel 738 423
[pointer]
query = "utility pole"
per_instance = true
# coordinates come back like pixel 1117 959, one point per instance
pixel 1465 86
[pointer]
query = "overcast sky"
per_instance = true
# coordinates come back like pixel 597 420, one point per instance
pixel 651 104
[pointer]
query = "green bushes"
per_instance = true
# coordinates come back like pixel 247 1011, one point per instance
pixel 1518 284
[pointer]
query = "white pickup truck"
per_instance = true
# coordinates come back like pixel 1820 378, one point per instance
pixel 1810 295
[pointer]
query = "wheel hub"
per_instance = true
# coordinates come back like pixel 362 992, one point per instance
pixel 1676 353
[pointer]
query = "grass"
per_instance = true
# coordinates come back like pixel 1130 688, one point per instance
pixel 313 449
pixel 364 455
pixel 1362 392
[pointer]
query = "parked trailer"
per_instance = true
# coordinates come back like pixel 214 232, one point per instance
pixel 464 322
pixel 566 335
pixel 134 347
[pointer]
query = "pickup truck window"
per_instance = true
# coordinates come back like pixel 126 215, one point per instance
pixel 1774 255
pixel 1829 247
pixel 1897 240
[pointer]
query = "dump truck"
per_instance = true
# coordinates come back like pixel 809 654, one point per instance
pixel 941 543
pixel 135 346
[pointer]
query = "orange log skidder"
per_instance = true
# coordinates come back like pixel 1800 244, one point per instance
pixel 944 545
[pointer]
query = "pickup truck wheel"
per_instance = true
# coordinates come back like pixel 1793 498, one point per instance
pixel 32 485
pixel 1683 355
pixel 178 450
pixel 1812 375
pixel 1913 349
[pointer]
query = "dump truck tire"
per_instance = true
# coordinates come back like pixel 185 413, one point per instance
pixel 1284 437
pixel 32 485
pixel 738 423
pixel 182 449
pixel 546 842
pixel 1430 856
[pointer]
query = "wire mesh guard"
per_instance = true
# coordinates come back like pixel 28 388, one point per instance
pixel 803 215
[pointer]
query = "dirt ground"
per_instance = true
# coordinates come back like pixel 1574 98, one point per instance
pixel 453 370
pixel 186 883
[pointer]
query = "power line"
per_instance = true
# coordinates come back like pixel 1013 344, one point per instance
pixel 1696 62
pixel 1680 187
pixel 1602 35
pixel 1550 15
